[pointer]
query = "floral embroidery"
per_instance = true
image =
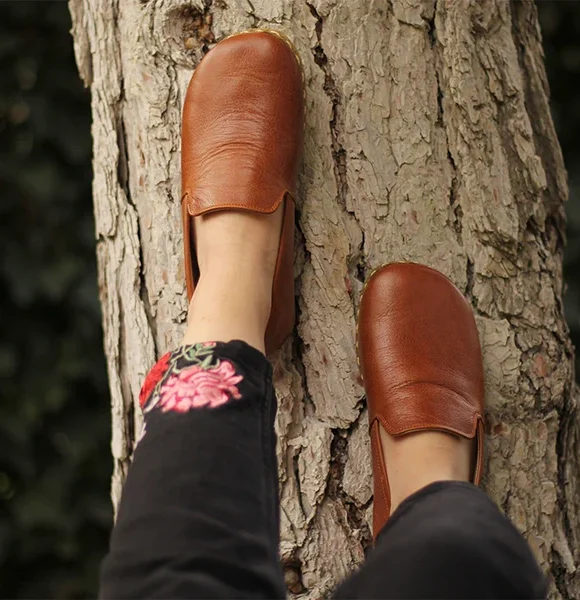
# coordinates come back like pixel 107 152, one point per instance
pixel 153 378
pixel 195 387
pixel 191 377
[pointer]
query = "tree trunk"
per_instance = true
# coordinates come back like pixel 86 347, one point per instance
pixel 428 139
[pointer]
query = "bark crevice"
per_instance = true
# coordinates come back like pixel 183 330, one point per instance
pixel 454 203
pixel 356 263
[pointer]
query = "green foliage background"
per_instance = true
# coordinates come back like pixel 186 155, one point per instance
pixel 54 408
pixel 54 427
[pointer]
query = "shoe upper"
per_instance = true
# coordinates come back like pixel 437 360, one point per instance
pixel 242 126
pixel 420 360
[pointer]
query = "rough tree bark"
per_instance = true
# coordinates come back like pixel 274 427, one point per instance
pixel 429 139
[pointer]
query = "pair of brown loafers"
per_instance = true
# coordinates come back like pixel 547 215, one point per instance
pixel 418 346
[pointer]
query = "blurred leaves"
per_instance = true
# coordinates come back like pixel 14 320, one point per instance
pixel 54 411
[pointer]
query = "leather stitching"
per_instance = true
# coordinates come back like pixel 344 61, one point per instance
pixel 253 207
pixel 430 427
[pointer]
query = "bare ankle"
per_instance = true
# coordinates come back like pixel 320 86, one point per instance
pixel 228 306
pixel 236 253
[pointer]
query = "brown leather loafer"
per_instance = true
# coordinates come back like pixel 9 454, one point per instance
pixel 421 364
pixel 241 144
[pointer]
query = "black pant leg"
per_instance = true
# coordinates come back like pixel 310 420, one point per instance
pixel 199 512
pixel 449 540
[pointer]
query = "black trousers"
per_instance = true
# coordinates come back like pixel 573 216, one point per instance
pixel 199 513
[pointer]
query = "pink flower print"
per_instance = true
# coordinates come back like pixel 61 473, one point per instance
pixel 195 387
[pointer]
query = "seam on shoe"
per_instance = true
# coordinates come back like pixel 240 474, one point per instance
pixel 427 427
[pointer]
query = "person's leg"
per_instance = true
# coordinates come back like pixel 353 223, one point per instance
pixel 437 536
pixel 198 517
pixel 199 513
pixel 448 541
